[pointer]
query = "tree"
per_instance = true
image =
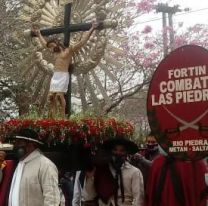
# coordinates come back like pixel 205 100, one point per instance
pixel 10 85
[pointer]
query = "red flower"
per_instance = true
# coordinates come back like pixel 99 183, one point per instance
pixel 72 131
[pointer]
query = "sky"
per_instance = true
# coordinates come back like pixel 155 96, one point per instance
pixel 198 11
pixel 198 14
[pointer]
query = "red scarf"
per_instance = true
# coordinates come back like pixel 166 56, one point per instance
pixel 105 184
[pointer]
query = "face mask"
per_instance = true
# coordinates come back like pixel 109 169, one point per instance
pixel 152 147
pixel 20 151
pixel 118 161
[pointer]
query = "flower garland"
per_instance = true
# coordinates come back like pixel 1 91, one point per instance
pixel 89 131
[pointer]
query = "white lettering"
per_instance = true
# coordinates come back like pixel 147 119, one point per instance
pixel 163 88
pixel 187 72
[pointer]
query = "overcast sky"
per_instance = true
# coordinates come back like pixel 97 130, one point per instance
pixel 198 14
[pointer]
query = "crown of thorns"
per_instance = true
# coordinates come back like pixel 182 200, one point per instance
pixel 56 41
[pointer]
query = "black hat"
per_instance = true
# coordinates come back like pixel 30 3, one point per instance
pixel 130 146
pixel 29 135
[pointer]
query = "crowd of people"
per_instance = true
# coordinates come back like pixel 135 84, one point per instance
pixel 117 175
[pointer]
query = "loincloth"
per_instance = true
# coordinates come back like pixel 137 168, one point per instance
pixel 59 82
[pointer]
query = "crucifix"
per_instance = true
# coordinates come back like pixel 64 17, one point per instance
pixel 66 29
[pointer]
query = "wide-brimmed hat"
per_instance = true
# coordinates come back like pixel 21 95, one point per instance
pixel 130 146
pixel 28 135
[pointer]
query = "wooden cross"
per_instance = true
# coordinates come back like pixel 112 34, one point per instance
pixel 66 30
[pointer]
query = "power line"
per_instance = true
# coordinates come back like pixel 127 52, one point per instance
pixel 159 18
pixel 191 11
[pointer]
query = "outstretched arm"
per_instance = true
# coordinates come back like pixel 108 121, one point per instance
pixel 39 35
pixel 84 40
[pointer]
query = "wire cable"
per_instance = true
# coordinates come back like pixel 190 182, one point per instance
pixel 159 18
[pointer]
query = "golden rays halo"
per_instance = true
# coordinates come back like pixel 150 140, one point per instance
pixel 90 63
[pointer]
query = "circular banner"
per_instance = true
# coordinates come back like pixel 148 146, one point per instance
pixel 177 104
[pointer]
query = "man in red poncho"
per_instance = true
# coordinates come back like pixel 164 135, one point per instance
pixel 174 182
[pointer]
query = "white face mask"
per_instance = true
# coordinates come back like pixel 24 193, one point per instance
pixel 162 152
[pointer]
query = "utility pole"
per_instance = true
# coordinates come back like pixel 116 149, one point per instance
pixel 165 9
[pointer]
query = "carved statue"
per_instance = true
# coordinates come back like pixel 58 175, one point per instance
pixel 60 79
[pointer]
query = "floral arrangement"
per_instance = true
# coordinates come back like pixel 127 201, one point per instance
pixel 89 131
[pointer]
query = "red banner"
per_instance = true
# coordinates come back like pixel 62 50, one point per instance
pixel 177 104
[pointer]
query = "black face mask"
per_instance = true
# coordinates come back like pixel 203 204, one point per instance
pixel 117 161
pixel 152 147
pixel 20 151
